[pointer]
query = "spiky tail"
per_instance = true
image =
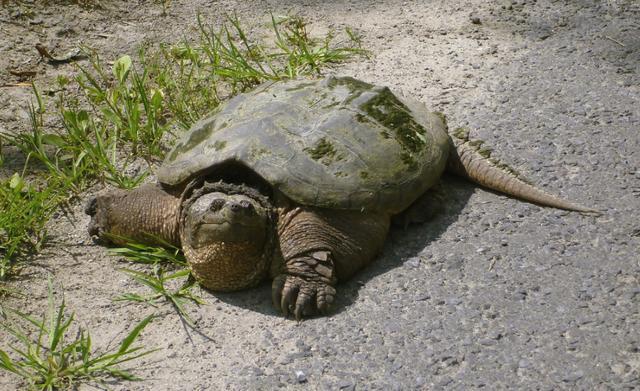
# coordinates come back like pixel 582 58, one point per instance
pixel 469 160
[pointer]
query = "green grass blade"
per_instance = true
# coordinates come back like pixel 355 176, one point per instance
pixel 145 279
pixel 64 365
pixel 8 364
pixel 124 347
pixel 178 274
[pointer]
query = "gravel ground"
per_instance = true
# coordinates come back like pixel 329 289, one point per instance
pixel 493 293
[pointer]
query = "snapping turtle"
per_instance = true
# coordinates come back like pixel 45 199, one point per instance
pixel 298 181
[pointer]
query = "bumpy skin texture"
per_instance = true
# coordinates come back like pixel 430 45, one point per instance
pixel 145 215
pixel 315 247
pixel 228 238
pixel 320 247
pixel 467 160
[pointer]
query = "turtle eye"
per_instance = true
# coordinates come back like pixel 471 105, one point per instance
pixel 216 204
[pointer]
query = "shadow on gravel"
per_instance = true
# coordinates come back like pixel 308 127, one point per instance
pixel 414 239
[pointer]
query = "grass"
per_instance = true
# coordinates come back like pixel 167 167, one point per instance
pixel 196 77
pixel 157 282
pixel 163 254
pixel 167 265
pixel 113 123
pixel 24 212
pixel 47 359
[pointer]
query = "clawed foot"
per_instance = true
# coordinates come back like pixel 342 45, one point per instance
pixel 301 297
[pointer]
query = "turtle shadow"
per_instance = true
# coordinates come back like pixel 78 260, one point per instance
pixel 403 245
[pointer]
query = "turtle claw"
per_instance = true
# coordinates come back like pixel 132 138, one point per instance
pixel 324 299
pixel 300 297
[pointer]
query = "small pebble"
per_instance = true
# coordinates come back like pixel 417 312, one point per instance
pixel 487 342
pixel 453 300
pixel 413 262
pixel 301 377
pixel 423 297
pixel 524 363
pixel 573 376
pixel 345 385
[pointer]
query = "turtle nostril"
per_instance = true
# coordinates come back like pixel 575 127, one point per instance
pixel 242 206
pixel 90 207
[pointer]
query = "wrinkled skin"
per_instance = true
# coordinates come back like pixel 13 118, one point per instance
pixel 224 238
pixel 320 247
pixel 233 242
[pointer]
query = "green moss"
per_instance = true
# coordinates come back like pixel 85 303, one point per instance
pixel 219 145
pixel 363 118
pixel 364 175
pixel 408 159
pixel 387 110
pixel 256 153
pixel 356 87
pixel 509 169
pixel 352 84
pixel 331 105
pixel 391 113
pixel 461 133
pixel 322 149
pixel 485 152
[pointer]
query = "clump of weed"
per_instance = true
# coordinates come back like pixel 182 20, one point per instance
pixel 167 265
pixel 48 359
pixel 24 211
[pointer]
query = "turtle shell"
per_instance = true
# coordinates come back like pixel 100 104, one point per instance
pixel 336 142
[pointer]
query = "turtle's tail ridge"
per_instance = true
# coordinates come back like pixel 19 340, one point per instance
pixel 470 161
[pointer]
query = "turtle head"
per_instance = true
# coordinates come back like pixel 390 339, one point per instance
pixel 228 218
pixel 227 237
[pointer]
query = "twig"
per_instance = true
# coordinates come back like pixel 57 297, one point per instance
pixel 614 40
pixel 492 264
pixel 16 85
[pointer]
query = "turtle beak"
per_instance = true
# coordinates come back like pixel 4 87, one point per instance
pixel 95 228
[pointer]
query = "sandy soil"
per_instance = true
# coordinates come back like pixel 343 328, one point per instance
pixel 493 293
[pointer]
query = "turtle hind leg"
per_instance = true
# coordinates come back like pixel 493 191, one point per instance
pixel 147 214
pixel 320 247
pixel 425 208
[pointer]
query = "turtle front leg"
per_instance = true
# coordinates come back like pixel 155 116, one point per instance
pixel 147 214
pixel 319 248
